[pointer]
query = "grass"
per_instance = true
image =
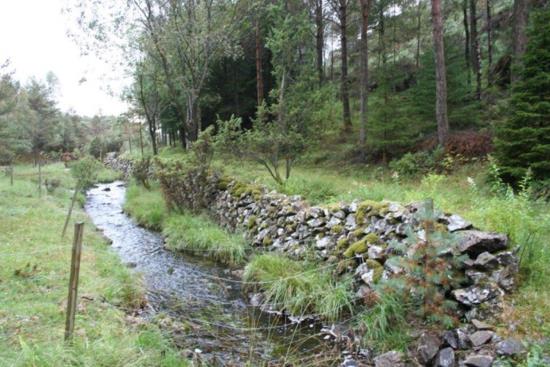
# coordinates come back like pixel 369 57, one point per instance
pixel 146 206
pixel 298 287
pixel 33 287
pixel 193 233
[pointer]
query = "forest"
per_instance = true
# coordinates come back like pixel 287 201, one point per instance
pixel 370 179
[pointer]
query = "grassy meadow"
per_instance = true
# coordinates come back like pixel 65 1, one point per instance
pixel 34 275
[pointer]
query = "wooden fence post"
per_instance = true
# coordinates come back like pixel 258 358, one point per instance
pixel 73 281
pixel 39 177
pixel 11 174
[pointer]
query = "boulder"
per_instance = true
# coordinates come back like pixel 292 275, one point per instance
pixel 509 347
pixel 389 359
pixel 445 358
pixel 457 223
pixel 476 294
pixel 481 337
pixel 478 360
pixel 486 261
pixel 473 242
pixel 428 346
pixel 480 325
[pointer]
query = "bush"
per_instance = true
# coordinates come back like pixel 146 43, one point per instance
pixel 6 156
pixel 85 171
pixel 412 164
pixel 141 170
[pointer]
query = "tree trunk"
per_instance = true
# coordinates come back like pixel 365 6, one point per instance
pixel 475 51
pixel 342 10
pixel 467 40
pixel 440 74
pixel 489 44
pixel 418 34
pixel 364 6
pixel 259 70
pixel 319 38
pixel 519 37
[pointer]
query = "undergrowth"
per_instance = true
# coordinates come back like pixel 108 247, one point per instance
pixel 146 206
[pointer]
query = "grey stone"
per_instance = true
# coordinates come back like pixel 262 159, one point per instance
pixel 486 261
pixel 450 338
pixel 427 348
pixel 376 252
pixel 445 358
pixel 463 339
pixel 477 294
pixel 475 242
pixel 457 223
pixel 333 222
pixel 348 362
pixel 323 243
pixel 505 277
pixel 509 347
pixel 507 258
pixel 481 337
pixel 389 359
pixel 480 325
pixel 478 360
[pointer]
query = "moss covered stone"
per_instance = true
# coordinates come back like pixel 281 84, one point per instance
pixel 372 238
pixel 342 243
pixel 377 268
pixel 267 241
pixel 252 220
pixel 369 208
pixel 359 232
pixel 223 182
pixel 240 188
pixel 358 247
pixel 337 229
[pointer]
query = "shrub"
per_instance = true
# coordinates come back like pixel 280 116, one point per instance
pixel 422 162
pixel 141 170
pixel 85 171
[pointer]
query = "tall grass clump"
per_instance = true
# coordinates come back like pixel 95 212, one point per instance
pixel 200 235
pixel 299 287
pixel 146 206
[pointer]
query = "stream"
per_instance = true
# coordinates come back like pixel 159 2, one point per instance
pixel 210 316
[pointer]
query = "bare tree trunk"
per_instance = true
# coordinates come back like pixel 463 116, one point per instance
pixel 365 7
pixel 331 66
pixel 475 51
pixel 319 38
pixel 343 18
pixel 259 70
pixel 467 40
pixel 440 74
pixel 141 140
pixel 519 37
pixel 489 44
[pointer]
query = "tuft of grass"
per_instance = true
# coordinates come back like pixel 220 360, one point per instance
pixel 200 235
pixel 384 324
pixel 146 206
pixel 33 287
pixel 299 287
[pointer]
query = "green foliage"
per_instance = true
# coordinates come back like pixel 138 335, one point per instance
pixel 422 162
pixel 522 140
pixel 85 171
pixel 199 235
pixel 298 287
pixel 141 170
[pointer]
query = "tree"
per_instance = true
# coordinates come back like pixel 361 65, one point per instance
pixel 474 44
pixel 149 98
pixel 365 8
pixel 440 74
pixel 519 38
pixel 340 8
pixel 319 18
pixel 522 142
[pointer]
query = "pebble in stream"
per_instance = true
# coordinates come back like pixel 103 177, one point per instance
pixel 216 318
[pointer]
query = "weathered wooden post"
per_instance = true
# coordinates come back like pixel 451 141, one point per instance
pixel 73 280
pixel 11 175
pixel 39 177
pixel 76 189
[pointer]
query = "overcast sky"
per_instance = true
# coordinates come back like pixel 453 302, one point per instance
pixel 33 34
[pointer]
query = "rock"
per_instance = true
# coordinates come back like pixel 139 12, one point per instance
pixel 389 359
pixel 481 337
pixel 376 252
pixel 507 258
pixel 457 223
pixel 445 358
pixel 256 299
pixel 450 338
pixel 486 261
pixel 463 339
pixel 323 243
pixel 349 362
pixel 480 325
pixel 505 277
pixel 476 294
pixel 509 347
pixel 478 360
pixel 316 222
pixel 475 242
pixel 427 348
pixel 333 222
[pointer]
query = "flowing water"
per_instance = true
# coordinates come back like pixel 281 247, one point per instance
pixel 210 315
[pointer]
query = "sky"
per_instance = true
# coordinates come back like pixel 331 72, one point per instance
pixel 33 35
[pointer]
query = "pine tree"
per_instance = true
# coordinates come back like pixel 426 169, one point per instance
pixel 523 141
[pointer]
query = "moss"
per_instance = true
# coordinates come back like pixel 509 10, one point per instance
pixel 377 267
pixel 342 243
pixel 267 241
pixel 358 247
pixel 252 220
pixel 240 188
pixel 372 238
pixel 359 232
pixel 369 208
pixel 223 182
pixel 440 227
pixel 344 265
pixel 291 227
pixel 337 229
